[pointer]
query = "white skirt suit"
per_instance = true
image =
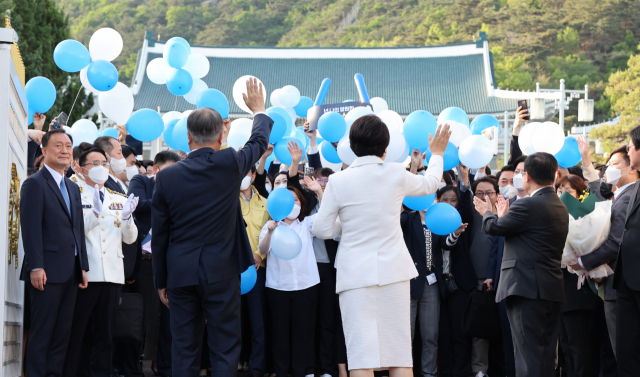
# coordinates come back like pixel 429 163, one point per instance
pixel 362 204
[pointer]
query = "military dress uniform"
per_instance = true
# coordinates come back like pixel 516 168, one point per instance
pixel 104 237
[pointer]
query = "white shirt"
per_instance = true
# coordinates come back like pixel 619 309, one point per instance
pixel 57 176
pixel 300 272
pixel 247 200
pixel 146 247
pixel 621 189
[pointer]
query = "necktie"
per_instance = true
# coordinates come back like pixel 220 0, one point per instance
pixel 65 194
pixel 101 197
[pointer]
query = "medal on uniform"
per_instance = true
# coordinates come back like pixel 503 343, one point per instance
pixel 117 223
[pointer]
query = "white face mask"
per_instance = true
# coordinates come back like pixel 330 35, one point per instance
pixel 99 174
pixel 246 182
pixel 283 185
pixel 268 188
pixel 517 182
pixel 131 171
pixel 612 175
pixel 295 212
pixel 508 192
pixel 441 185
pixel 118 166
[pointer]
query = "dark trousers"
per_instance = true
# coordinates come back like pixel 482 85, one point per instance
pixel 164 342
pixel 97 302
pixel 256 306
pixel 627 330
pixel 219 303
pixel 534 327
pixel 454 348
pixel 51 319
pixel 507 340
pixel 294 317
pixel 325 323
pixel 575 342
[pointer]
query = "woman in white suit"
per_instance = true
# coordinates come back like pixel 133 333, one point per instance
pixel 362 204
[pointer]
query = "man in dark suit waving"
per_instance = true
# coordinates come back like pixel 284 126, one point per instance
pixel 535 231
pixel 199 241
pixel 55 255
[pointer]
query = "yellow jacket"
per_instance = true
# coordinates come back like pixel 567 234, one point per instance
pixel 255 214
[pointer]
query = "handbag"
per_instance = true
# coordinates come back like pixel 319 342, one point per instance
pixel 449 283
pixel 480 318
pixel 129 324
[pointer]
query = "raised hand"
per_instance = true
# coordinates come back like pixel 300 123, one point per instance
pixel 129 206
pixel 36 135
pixel 272 226
pixel 502 205
pixel 464 174
pixel 122 133
pixel 439 142
pixel 254 97
pixel 461 229
pixel 268 152
pixel 38 121
pixel 482 206
pixel 312 184
pixel 296 152
pixel 520 114
pixel 416 157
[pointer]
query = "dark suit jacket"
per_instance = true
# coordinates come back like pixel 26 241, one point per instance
pixel 460 264
pixel 413 233
pixel 629 256
pixel 535 231
pixel 49 235
pixel 132 253
pixel 514 150
pixel 495 260
pixel 142 187
pixel 608 251
pixel 196 216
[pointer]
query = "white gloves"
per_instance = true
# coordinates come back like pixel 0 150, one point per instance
pixel 129 206
pixel 97 203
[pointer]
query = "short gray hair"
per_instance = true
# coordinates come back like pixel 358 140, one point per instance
pixel 204 125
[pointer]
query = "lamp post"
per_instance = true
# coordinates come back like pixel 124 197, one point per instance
pixel 585 106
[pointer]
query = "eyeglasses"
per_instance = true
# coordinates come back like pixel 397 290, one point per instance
pixel 481 194
pixel 321 181
pixel 98 163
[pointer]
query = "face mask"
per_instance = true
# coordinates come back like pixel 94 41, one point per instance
pixel 268 188
pixel 508 192
pixel 118 166
pixel 441 185
pixel 613 175
pixel 517 182
pixel 605 190
pixel 131 171
pixel 246 182
pixel 99 174
pixel 295 212
pixel 283 185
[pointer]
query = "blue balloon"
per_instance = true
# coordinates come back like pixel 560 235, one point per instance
pixel 417 127
pixel 268 162
pixel 280 203
pixel 319 140
pixel 71 56
pixel 180 137
pixel 285 243
pixel 248 280
pixel 450 157
pixel 348 100
pixel 419 203
pixel 167 134
pixel 442 219
pixel 303 106
pixel 41 95
pixel 330 153
pixel 302 137
pixel 482 122
pixel 279 127
pixel 30 116
pixel 102 75
pixel 179 82
pixel 332 126
pixel 111 131
pixel 569 155
pixel 455 114
pixel 181 41
pixel 214 99
pixel 286 116
pixel 405 154
pixel 145 125
pixel 281 149
pixel 175 54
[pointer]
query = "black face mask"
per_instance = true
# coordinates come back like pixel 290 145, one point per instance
pixel 605 190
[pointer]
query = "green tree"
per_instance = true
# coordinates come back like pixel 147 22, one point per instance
pixel 624 92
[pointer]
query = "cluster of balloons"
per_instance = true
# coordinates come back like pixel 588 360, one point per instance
pixel 180 70
pixel 289 98
pixel 549 137
pixel 285 242
pixel 173 134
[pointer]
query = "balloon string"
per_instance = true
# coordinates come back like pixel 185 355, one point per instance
pixel 74 101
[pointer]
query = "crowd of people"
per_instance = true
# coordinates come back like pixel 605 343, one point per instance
pixel 372 287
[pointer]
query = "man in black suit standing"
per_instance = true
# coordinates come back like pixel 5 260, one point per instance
pixel 55 255
pixel 199 242
pixel 535 231
pixel 626 279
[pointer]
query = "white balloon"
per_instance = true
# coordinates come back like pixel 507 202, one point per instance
pixel 171 115
pixel 67 129
pixel 548 137
pixel 240 87
pixel 476 152
pixel 326 164
pixel 397 146
pixel 294 116
pixel 157 70
pixel 105 44
pixel 344 151
pixel 405 155
pixel 356 113
pixel 392 119
pixel 525 139
pixel 243 125
pixel 198 87
pixel 379 105
pixel 239 132
pixel 275 98
pixel 186 113
pixel 85 82
pixel 289 96
pixel 84 131
pixel 117 103
pixel 459 132
pixel 198 65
